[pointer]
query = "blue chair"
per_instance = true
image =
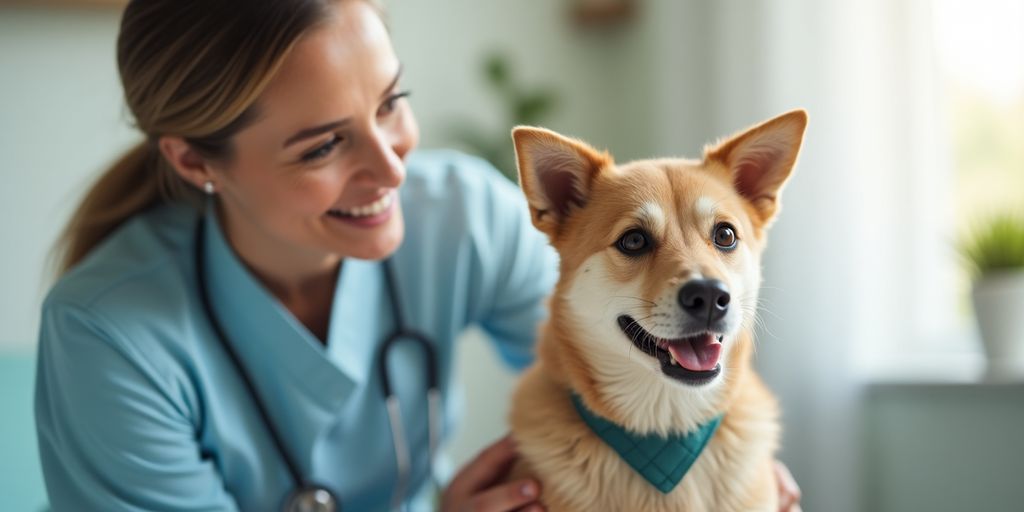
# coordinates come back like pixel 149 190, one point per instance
pixel 21 478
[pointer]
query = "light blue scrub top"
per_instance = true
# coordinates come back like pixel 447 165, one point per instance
pixel 139 408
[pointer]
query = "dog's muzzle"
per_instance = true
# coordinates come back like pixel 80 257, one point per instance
pixel 692 359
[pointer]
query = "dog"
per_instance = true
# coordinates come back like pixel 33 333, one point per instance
pixel 642 395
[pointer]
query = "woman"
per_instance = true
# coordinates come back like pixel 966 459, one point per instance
pixel 289 114
pixel 214 342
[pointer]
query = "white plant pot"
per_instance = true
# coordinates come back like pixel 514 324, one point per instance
pixel 999 308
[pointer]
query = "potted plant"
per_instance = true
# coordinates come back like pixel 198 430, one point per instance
pixel 995 256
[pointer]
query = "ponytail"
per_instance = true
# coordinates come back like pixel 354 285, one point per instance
pixel 126 188
pixel 193 71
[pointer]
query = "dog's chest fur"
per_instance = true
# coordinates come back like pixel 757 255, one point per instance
pixel 578 472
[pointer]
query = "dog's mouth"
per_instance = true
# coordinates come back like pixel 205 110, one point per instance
pixel 693 359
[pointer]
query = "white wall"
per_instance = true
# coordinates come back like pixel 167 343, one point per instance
pixel 442 45
pixel 60 120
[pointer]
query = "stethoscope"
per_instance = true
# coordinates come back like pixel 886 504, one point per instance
pixel 307 494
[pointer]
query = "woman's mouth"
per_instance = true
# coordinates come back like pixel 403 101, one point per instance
pixel 367 215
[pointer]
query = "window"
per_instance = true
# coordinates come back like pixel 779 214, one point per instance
pixel 978 49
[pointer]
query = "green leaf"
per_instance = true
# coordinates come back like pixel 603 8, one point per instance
pixel 532 108
pixel 996 245
pixel 496 69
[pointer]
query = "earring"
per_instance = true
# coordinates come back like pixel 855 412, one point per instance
pixel 209 188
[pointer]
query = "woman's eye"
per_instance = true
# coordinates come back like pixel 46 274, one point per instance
pixel 725 236
pixel 634 242
pixel 323 150
pixel 391 102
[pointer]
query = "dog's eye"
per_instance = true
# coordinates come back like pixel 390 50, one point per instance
pixel 634 242
pixel 725 236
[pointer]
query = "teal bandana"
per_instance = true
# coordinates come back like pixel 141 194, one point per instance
pixel 661 461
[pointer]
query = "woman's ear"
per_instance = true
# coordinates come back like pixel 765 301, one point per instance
pixel 188 163
pixel 556 174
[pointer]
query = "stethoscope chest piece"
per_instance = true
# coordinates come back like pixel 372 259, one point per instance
pixel 311 499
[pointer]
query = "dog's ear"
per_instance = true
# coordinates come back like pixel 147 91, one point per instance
pixel 761 159
pixel 556 174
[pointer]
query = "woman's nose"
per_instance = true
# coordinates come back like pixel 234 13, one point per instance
pixel 384 159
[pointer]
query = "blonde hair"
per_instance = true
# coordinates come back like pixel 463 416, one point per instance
pixel 189 68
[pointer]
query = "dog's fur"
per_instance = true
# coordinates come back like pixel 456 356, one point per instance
pixel 584 203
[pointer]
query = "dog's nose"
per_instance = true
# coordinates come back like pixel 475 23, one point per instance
pixel 705 299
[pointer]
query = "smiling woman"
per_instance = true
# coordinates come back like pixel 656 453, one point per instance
pixel 220 336
pixel 330 135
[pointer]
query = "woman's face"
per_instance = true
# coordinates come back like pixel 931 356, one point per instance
pixel 316 176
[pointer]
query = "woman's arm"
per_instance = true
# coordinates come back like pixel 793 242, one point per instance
pixel 110 437
pixel 524 267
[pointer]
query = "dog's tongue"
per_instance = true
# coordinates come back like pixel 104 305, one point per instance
pixel 697 354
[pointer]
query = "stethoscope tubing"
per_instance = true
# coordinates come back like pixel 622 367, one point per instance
pixel 290 463
pixel 392 404
pixel 402 453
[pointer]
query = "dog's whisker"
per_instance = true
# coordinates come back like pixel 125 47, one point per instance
pixel 646 342
pixel 770 312
pixel 634 298
pixel 632 311
pixel 763 306
pixel 763 327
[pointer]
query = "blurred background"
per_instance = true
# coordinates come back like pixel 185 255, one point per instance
pixel 916 139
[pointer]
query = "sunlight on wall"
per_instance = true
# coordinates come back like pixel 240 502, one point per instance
pixel 978 54
pixel 979 45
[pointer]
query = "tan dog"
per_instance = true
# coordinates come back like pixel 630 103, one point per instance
pixel 650 326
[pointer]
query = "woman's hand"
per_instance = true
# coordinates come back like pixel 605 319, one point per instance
pixel 475 487
pixel 789 491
